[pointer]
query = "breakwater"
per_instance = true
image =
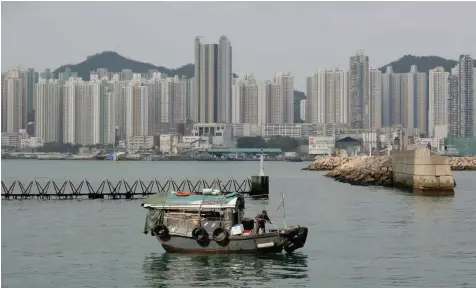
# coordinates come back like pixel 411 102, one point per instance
pixel 329 163
pixel 414 170
pixel 122 189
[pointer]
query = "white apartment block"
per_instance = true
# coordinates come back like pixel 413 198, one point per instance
pixel 439 88
pixel 375 98
pixel 13 117
pixel 303 109
pixel 264 103
pixel 224 81
pixel 245 100
pixel 328 99
pixel 416 110
pixel 286 83
pixel 48 108
pixel 137 110
pixel 70 94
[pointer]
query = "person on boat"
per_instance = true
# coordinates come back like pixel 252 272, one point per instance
pixel 261 219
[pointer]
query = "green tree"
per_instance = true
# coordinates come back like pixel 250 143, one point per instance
pixel 286 143
pixel 251 142
pixel 59 147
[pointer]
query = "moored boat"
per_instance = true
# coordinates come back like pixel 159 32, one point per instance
pixel 213 223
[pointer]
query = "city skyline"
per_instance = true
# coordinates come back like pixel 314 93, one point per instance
pixel 251 52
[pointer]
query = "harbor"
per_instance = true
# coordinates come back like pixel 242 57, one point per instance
pixel 381 221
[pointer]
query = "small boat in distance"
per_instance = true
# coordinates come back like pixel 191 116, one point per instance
pixel 213 223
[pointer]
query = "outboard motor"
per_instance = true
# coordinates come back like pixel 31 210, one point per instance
pixel 294 238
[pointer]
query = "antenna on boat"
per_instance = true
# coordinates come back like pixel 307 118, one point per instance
pixel 284 209
pixel 261 164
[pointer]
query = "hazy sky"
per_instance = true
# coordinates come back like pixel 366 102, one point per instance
pixel 296 37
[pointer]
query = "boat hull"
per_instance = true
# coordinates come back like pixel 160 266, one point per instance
pixel 235 245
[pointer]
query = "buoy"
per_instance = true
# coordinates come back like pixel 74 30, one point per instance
pixel 183 193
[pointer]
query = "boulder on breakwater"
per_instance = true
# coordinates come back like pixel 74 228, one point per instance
pixel 328 163
pixel 364 170
pixel 463 163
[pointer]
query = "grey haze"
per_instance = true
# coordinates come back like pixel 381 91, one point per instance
pixel 295 37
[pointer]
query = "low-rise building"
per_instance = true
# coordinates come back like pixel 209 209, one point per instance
pixel 136 144
pixel 13 139
pixel 168 143
pixel 221 134
pixel 321 145
pixel 32 142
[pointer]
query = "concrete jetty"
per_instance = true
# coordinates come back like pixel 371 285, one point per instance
pixel 422 173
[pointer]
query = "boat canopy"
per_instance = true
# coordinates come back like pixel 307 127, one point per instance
pixel 194 201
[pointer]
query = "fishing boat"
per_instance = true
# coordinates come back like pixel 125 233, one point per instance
pixel 213 223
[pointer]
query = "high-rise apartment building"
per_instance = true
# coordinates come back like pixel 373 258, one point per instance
pixel 466 95
pixel 48 111
pixel 264 102
pixel 30 79
pixel 439 89
pixel 173 100
pixel 13 118
pixel 137 110
pixel 375 113
pixel 417 105
pixel 454 124
pixel 206 78
pixel 245 100
pixel 387 78
pixel 224 80
pixel 328 96
pixel 286 82
pixel 359 91
pixel 303 109
pixel 88 112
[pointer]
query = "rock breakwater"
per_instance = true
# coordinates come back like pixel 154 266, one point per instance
pixel 365 170
pixel 329 163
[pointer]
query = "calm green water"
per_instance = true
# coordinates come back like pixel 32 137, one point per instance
pixel 358 236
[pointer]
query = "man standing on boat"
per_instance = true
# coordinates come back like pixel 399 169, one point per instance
pixel 261 219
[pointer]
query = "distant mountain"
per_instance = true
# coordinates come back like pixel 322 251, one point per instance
pixel 424 64
pixel 114 62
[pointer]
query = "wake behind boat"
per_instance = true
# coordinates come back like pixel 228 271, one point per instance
pixel 213 223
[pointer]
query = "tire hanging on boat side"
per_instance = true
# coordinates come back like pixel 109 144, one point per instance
pixel 221 236
pixel 200 235
pixel 162 231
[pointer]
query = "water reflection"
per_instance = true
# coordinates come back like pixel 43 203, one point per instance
pixel 167 270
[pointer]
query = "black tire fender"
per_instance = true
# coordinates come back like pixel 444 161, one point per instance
pixel 162 231
pixel 220 235
pixel 199 234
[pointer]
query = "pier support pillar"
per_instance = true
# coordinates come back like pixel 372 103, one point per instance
pixel 259 187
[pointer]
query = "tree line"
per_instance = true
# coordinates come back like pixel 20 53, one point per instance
pixel 285 143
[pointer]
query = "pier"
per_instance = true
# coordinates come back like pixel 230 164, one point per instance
pixel 136 189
